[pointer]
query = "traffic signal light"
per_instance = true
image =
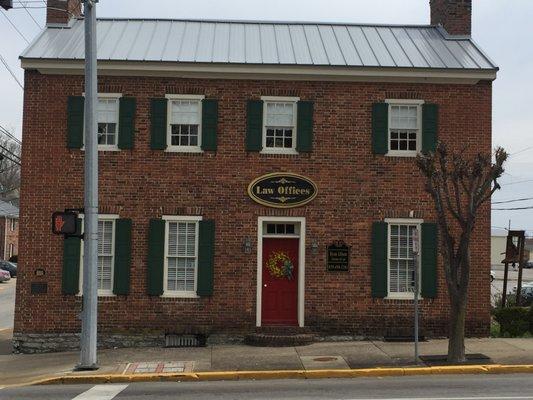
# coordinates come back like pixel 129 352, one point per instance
pixel 6 4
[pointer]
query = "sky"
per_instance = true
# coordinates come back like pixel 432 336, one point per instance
pixel 502 28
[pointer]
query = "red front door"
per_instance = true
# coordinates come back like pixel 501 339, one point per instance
pixel 279 304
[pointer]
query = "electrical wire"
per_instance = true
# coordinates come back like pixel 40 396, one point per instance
pixel 2 59
pixel 14 26
pixel 512 209
pixel 512 201
pixel 515 183
pixel 31 16
pixel 9 135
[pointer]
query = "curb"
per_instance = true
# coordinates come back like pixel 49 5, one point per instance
pixel 285 374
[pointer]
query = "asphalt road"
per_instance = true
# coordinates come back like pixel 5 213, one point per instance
pixel 7 303
pixel 450 387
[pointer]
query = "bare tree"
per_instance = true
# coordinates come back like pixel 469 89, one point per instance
pixel 9 170
pixel 459 187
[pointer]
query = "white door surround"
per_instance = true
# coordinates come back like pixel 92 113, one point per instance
pixel 301 265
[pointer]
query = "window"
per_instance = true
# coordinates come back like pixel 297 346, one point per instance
pixel 279 131
pixel 13 224
pixel 280 229
pixel 181 256
pixel 106 255
pixel 185 123
pixel 401 258
pixel 404 127
pixel 107 119
pixel 11 250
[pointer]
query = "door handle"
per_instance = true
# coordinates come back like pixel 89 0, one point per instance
pixel 265 285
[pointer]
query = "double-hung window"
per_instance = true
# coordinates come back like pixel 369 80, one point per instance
pixel 184 129
pixel 107 117
pixel 279 124
pixel 401 259
pixel 106 255
pixel 181 256
pixel 405 127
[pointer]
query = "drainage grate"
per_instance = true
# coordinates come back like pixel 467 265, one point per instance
pixel 184 341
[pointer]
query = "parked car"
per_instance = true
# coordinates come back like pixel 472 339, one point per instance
pixel 492 276
pixel 9 267
pixel 4 276
pixel 529 264
pixel 527 293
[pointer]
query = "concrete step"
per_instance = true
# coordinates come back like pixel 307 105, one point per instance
pixel 280 336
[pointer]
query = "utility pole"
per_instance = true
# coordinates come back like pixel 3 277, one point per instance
pixel 88 359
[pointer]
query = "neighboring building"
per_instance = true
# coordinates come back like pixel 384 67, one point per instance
pixel 190 114
pixel 498 243
pixel 9 230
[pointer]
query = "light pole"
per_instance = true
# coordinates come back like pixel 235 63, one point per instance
pixel 88 343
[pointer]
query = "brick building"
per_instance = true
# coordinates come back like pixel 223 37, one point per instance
pixel 9 230
pixel 251 174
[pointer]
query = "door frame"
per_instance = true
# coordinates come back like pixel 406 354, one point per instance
pixel 301 265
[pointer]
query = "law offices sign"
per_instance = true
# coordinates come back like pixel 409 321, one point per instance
pixel 282 190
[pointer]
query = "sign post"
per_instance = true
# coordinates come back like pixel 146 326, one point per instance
pixel 416 253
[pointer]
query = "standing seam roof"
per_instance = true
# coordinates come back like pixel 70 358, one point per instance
pixel 270 43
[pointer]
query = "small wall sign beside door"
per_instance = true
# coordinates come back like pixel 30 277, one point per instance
pixel 338 257
pixel 282 190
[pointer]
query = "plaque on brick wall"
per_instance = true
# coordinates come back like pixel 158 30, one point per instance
pixel 282 190
pixel 338 257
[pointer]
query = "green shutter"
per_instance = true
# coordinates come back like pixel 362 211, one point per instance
pixel 159 124
pixel 126 124
pixel 380 128
pixel 430 117
pixel 206 258
pixel 254 125
pixel 304 134
pixel 429 260
pixel 209 124
pixel 75 106
pixel 121 277
pixel 379 259
pixel 70 282
pixel 156 256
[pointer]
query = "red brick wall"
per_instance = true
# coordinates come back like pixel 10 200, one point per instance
pixel 60 12
pixel 12 237
pixel 355 186
pixel 454 15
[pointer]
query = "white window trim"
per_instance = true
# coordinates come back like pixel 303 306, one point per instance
pixel 280 99
pixel 184 149
pixel 101 293
pixel 404 221
pixel 407 102
pixel 13 224
pixel 106 147
pixel 180 293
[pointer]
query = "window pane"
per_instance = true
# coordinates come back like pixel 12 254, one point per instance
pixel 280 114
pixel 181 256
pixel 271 228
pixel 401 258
pixel 186 112
pixel 289 229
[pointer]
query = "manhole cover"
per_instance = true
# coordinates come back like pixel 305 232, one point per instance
pixel 325 359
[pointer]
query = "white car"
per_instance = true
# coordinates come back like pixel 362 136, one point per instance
pixel 492 276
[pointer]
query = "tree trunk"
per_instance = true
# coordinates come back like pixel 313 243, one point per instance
pixel 456 344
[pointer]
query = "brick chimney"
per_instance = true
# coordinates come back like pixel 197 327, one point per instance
pixel 60 12
pixel 454 15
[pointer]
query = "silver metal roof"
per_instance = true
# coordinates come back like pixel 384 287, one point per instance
pixel 8 210
pixel 253 42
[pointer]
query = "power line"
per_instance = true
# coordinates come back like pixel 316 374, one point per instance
pixel 515 183
pixel 512 201
pixel 511 209
pixel 2 59
pixel 14 27
pixel 9 135
pixel 31 16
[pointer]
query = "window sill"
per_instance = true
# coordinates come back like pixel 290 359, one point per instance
pixel 288 151
pixel 172 149
pixel 104 148
pixel 410 297
pixel 100 294
pixel 180 295
pixel 411 154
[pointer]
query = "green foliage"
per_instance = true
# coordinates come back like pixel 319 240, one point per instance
pixel 514 321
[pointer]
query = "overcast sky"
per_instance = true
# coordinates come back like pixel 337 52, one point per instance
pixel 503 28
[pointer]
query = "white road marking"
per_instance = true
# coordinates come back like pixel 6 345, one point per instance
pixel 101 392
pixel 454 398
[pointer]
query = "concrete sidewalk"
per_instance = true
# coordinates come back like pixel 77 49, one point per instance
pixel 23 368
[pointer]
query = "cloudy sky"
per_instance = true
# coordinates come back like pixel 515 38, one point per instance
pixel 503 28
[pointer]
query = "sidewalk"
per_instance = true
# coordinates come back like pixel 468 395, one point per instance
pixel 25 368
